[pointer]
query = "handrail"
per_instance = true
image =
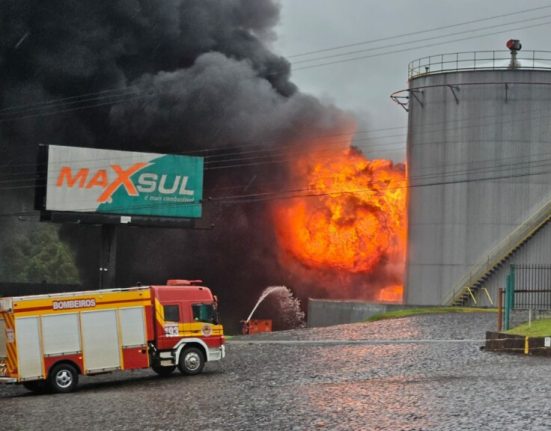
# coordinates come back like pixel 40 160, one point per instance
pixel 478 60
pixel 488 295
pixel 500 252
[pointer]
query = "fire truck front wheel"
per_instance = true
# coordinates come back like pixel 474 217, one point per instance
pixel 191 361
pixel 63 378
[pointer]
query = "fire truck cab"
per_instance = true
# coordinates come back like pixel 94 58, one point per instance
pixel 47 341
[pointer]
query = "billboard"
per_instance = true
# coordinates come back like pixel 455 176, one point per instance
pixel 91 180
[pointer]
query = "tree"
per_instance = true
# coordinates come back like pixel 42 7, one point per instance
pixel 36 254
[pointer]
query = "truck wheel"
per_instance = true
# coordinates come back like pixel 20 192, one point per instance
pixel 163 371
pixel 191 361
pixel 63 378
pixel 36 386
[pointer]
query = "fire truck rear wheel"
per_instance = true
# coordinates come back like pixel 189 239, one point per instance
pixel 163 371
pixel 191 361
pixel 63 378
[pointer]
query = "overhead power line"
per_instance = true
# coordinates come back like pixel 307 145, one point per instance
pixel 214 155
pixel 312 192
pixel 103 94
pixel 286 154
pixel 119 95
pixel 411 42
pixel 71 107
pixel 236 157
pixel 346 60
pixel 305 193
pixel 500 171
pixel 510 165
pixel 413 33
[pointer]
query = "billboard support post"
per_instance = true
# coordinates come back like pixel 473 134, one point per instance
pixel 108 257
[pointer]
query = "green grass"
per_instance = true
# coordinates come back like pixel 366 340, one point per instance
pixel 539 328
pixel 427 310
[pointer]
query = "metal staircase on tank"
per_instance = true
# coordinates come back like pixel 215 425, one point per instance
pixel 469 285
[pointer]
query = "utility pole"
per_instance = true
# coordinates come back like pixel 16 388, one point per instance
pixel 108 256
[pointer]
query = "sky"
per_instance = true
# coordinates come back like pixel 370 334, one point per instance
pixel 364 86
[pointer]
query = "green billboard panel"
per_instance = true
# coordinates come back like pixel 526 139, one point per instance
pixel 124 182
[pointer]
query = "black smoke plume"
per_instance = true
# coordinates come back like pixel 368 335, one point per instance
pixel 176 76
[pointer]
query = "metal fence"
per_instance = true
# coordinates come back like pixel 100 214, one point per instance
pixel 532 287
pixel 478 60
pixel 528 287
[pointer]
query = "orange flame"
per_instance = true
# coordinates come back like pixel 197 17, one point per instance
pixel 391 293
pixel 351 218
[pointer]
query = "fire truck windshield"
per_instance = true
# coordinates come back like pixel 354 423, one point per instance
pixel 204 313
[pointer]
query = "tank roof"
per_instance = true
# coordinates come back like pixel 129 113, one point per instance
pixel 478 60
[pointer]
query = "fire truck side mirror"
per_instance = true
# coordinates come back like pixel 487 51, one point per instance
pixel 216 318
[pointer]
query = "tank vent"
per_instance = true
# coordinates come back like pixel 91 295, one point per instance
pixel 514 46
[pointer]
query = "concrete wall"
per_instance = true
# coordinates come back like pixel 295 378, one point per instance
pixel 479 163
pixel 325 312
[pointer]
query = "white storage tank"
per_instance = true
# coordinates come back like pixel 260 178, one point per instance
pixel 479 171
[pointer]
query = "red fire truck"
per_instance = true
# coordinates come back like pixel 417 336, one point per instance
pixel 46 341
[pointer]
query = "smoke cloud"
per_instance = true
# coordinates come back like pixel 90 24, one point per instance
pixel 218 102
pixel 179 76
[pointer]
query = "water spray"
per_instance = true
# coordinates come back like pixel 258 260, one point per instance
pixel 289 306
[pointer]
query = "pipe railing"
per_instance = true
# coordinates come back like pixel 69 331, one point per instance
pixel 479 60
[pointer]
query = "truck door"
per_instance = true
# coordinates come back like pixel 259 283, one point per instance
pixel 170 325
pixel 29 353
pixel 133 333
pixel 100 340
pixel 204 319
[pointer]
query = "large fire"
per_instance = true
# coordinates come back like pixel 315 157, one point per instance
pixel 350 217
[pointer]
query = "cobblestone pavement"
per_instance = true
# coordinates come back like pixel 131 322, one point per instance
pixel 296 386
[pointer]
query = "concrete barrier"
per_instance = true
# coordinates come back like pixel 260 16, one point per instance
pixel 510 343
pixel 326 312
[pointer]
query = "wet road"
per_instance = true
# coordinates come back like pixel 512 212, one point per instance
pixel 384 385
